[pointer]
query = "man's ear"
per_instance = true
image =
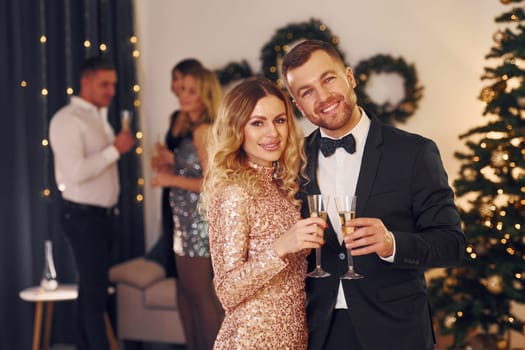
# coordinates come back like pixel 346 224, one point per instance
pixel 298 107
pixel 351 79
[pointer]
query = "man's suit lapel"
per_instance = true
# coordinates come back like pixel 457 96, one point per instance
pixel 369 164
pixel 312 187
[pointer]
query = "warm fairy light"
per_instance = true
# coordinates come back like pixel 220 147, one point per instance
pixel 135 53
pixel 45 142
pixel 273 69
pixel 517 226
pixel 511 319
pixel 503 241
pixel 322 27
pixel 140 197
pixel 518 275
pixel 502 213
pixel 140 181
pixel 69 91
pixel 136 103
pixel 43 39
pixel 469 249
pixel 488 223
pixel 475 158
pixel 103 47
pixel 46 192
pixel 44 92
pixel 139 135
pixel 511 251
pixel 459 313
pixel 506 235
pixel 23 83
pixel 473 256
pixel 483 145
pixel 133 39
pixel 138 150
pixel 61 187
pixel 286 48
pixel 499 226
pixel 136 88
pixel 499 191
pixel 87 43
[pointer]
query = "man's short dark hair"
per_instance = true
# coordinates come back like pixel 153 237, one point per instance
pixel 96 63
pixel 301 53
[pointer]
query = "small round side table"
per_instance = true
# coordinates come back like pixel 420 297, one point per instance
pixel 64 292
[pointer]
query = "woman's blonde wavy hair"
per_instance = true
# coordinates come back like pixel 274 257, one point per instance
pixel 209 90
pixel 228 162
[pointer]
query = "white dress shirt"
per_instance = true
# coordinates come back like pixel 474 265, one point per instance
pixel 338 174
pixel 86 168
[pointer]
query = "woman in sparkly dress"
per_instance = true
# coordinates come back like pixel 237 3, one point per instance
pixel 258 242
pixel 201 314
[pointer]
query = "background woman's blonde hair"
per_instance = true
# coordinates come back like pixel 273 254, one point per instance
pixel 209 90
pixel 228 163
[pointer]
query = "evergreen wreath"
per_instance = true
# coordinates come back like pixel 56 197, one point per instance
pixel 387 112
pixel 285 36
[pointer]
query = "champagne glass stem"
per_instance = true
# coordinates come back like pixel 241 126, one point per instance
pixel 350 260
pixel 318 257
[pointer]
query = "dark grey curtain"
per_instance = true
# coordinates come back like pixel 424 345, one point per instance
pixel 42 45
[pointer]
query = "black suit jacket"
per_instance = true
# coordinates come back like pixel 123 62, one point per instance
pixel 402 182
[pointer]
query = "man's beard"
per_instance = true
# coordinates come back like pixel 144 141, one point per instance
pixel 341 119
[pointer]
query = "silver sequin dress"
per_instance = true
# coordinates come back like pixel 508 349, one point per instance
pixel 190 233
pixel 262 294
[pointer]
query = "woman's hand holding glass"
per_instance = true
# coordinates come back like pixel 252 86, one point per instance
pixel 162 159
pixel 304 234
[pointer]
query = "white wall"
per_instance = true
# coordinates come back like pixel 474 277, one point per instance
pixel 446 40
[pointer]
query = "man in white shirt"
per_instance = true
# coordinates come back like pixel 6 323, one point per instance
pixel 86 152
pixel 406 217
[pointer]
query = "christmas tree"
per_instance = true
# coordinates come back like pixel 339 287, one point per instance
pixel 476 297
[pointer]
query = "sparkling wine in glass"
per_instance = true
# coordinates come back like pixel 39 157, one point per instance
pixel 317 205
pixel 345 205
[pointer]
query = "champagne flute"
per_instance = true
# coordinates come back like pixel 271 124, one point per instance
pixel 345 205
pixel 317 205
pixel 125 119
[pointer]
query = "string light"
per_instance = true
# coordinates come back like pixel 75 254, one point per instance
pixel 23 83
pixel 87 44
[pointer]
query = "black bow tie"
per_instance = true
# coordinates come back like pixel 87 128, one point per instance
pixel 328 146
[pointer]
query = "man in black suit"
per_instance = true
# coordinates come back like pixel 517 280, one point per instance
pixel 406 217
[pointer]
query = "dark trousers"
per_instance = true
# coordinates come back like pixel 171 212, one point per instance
pixel 90 231
pixel 341 334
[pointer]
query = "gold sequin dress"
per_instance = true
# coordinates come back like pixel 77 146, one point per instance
pixel 262 294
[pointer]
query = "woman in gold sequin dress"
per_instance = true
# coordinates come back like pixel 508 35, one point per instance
pixel 258 242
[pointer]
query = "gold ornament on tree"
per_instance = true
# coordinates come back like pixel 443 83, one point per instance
pixel 487 94
pixel 494 284
pixel 449 321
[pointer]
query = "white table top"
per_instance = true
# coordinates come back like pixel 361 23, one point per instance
pixel 63 292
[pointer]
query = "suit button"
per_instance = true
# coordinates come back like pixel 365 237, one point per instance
pixel 342 256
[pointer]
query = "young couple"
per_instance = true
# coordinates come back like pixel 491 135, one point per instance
pixel 260 247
